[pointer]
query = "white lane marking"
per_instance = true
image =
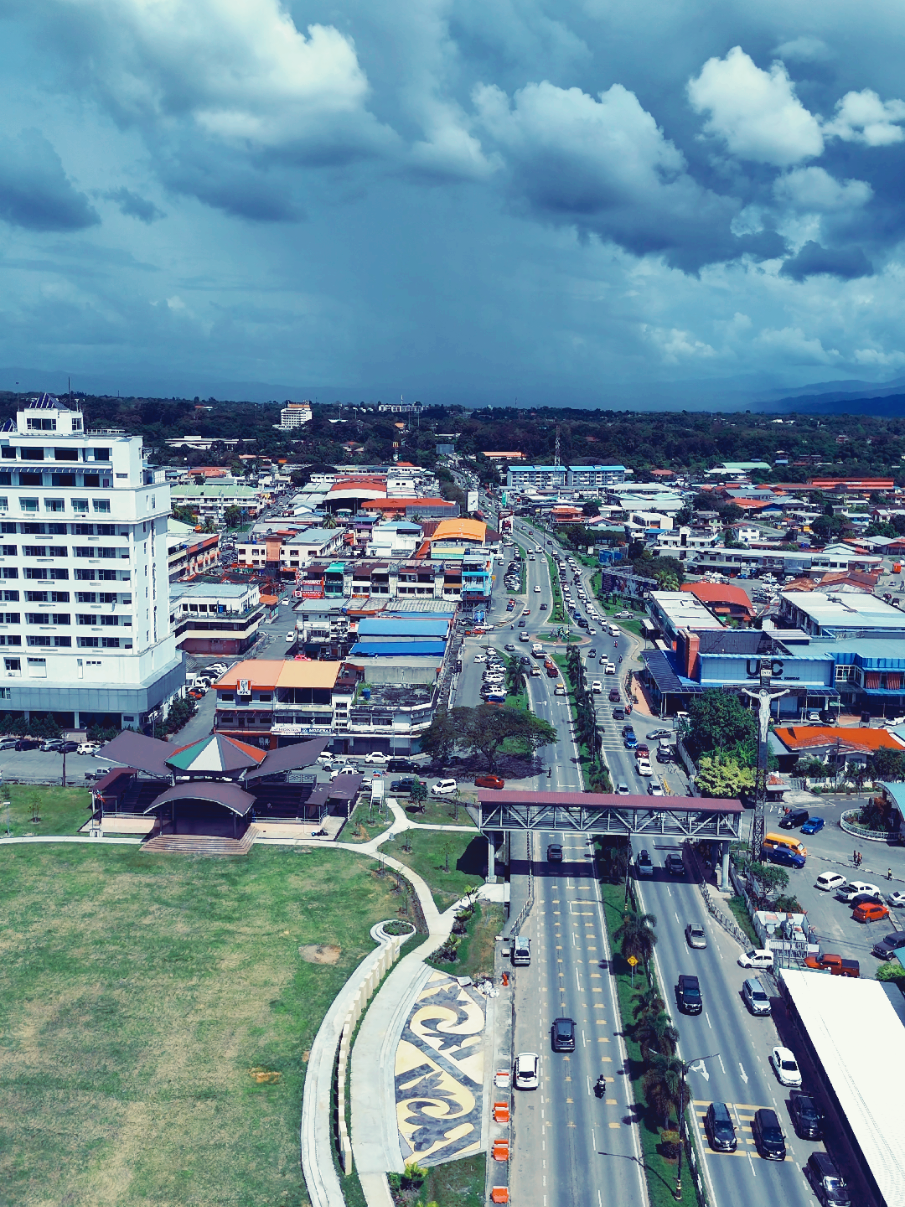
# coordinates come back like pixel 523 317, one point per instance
pixel 743 1073
pixel 599 1199
pixel 709 1023
pixel 700 1067
pixel 722 1066
pixel 584 1039
pixel 588 1080
pixel 594 1142
pixel 676 916
pixel 750 1162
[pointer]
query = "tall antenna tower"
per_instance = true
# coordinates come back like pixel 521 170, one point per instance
pixel 556 449
pixel 764 698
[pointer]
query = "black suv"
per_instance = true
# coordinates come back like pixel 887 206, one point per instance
pixel 768 1135
pixel 401 765
pixel 806 1118
pixel 720 1128
pixel 887 947
pixel 563 1035
pixel 829 1184
pixel 688 993
pixel 793 819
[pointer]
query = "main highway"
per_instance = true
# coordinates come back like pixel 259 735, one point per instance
pixel 569 1147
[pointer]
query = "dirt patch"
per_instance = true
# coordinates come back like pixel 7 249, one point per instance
pixel 320 953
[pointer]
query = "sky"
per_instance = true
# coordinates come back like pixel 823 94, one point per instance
pixel 571 203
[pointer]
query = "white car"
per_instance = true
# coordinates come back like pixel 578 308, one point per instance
pixel 537 590
pixel 325 757
pixel 785 1066
pixel 290 636
pixel 88 748
pixel 596 686
pixel 896 899
pixel 526 1071
pixel 377 756
pixel 644 768
pixel 827 881
pixel 861 886
pixel 479 658
pixel 444 788
pixel 655 788
pixel 610 668
pixel 347 770
pixel 759 957
pixel 591 632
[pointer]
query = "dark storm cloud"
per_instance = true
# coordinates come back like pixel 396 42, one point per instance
pixel 846 263
pixel 134 206
pixel 35 192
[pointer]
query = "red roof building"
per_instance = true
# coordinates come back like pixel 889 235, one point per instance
pixel 723 600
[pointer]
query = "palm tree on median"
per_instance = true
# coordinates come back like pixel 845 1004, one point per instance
pixel 663 1085
pixel 635 935
pixel 656 1035
pixel 647 1001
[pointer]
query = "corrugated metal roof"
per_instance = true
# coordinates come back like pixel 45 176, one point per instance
pixel 389 649
pixel 859 1040
pixel 386 626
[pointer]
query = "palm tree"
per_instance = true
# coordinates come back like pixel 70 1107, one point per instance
pixel 663 1086
pixel 656 1035
pixel 635 935
pixel 647 1001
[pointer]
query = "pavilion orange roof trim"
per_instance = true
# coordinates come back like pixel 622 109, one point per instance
pixel 461 528
pixel 801 737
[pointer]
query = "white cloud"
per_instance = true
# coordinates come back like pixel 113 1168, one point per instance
pixel 793 345
pixel 450 150
pixel 814 189
pixel 677 345
pixel 806 48
pixel 755 112
pixel 604 164
pixel 863 117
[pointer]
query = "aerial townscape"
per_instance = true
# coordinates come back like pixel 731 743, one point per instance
pixel 452 555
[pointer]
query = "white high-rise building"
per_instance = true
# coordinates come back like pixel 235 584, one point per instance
pixel 295 414
pixel 84 588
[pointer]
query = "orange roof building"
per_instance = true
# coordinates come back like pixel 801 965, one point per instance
pixel 801 738
pixel 723 600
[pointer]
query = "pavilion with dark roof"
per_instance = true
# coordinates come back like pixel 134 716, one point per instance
pixel 216 787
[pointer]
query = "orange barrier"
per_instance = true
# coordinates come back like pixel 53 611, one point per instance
pixel 501 1150
pixel 501 1112
pixel 499 1194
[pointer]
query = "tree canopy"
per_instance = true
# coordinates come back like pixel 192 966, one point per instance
pixel 719 723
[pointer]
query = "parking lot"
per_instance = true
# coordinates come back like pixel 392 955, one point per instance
pixel 831 850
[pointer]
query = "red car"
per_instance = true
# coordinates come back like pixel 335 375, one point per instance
pixel 489 781
pixel 870 911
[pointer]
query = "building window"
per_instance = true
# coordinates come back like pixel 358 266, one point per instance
pixel 8 572
pixel 10 596
pixel 4 503
pixel 88 643
pixel 30 479
pixel 66 454
pixel 9 617
pixel 13 666
pixel 8 550
pixel 85 576
pixel 83 530
pixel 101 454
pixel 100 504
pixel 43 639
pixel 54 505
pixel 60 597
pixel 37 667
pixel 5 693
pixel 9 454
pixel 80 506
pixel 32 454
pixel 28 504
pixel 110 643
pixel 10 639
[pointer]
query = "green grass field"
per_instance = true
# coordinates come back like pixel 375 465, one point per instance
pixel 430 853
pixel 157 1014
pixel 59 810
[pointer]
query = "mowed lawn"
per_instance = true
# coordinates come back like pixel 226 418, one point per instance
pixel 156 1016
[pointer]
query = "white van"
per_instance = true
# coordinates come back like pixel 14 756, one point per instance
pixel 521 950
pixel 526 1071
pixel 613 630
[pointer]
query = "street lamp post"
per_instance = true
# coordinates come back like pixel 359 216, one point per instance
pixel 686 1065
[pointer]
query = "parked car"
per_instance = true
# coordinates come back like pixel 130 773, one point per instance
pixel 783 856
pixel 829 1185
pixel 664 754
pixel 656 734
pixel 377 756
pixel 8 743
pixel 896 899
pixel 444 788
pixel 827 881
pixel 526 1071
pixel 68 747
pixel 403 785
pixel 401 765
pixel 785 1066
pixel 806 1118
pixel 759 957
pixel 489 781
pixel 870 911
pixel 28 743
pixel 51 744
pixel 87 748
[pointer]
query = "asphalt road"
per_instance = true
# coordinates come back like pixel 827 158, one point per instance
pixel 737 1044
pixel 569 1147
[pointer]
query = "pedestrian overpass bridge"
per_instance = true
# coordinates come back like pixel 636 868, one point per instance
pixel 678 817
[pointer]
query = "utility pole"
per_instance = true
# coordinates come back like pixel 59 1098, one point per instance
pixel 556 448
pixel 764 698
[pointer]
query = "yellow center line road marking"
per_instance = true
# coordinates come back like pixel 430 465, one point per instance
pixel 614 1123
